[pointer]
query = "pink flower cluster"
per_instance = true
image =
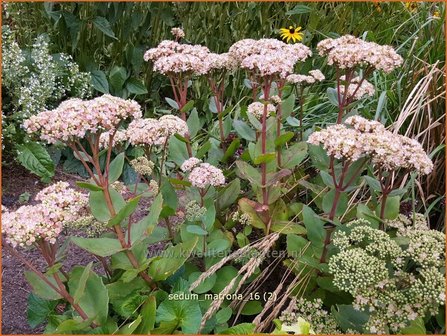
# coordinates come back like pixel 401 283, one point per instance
pixel 151 131
pixel 220 62
pixel 119 137
pixel 204 175
pixel 349 51
pixel 178 33
pixel 171 58
pixel 189 164
pixel 59 206
pixel 355 91
pixel 257 109
pixel 312 77
pixel 269 57
pixel 367 138
pixel 74 118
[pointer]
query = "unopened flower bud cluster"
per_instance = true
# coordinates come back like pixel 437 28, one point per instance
pixel 142 165
pixel 380 274
pixel 257 109
pixel 194 212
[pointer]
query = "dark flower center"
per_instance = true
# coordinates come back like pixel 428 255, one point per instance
pixel 291 30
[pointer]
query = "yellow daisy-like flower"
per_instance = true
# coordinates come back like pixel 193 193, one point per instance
pixel 291 33
pixel 436 14
pixel 411 6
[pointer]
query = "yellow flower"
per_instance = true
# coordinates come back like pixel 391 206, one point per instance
pixel 291 33
pixel 436 14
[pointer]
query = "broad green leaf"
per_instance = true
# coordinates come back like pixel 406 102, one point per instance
pixel 104 25
pixel 224 315
pixel 98 204
pixel 79 291
pixel 247 207
pixel 125 212
pixel 283 139
pixel 294 155
pixel 196 229
pixel 188 106
pixel 172 103
pixel 148 311
pixel 249 173
pixel 147 224
pixel 102 247
pixel 244 131
pixel 265 158
pixel 314 226
pixel 41 288
pixel 392 208
pixel 206 285
pixel 240 329
pixel 296 245
pixel 287 106
pixel 36 159
pixel 129 328
pixel 95 299
pixel 117 78
pixel 349 318
pixel 217 246
pixel 116 168
pixel 224 276
pixel 186 314
pixel 228 195
pixel 193 121
pixel 231 149
pixel 99 81
pixel 416 327
pixel 172 259
pixel 251 308
pixel 286 227
pixel 136 87
pixel 39 309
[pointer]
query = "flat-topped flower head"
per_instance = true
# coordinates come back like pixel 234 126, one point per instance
pixel 257 109
pixel 59 205
pixel 268 57
pixel 74 118
pixel 189 164
pixel 143 131
pixel 170 125
pixel 220 62
pixel 349 52
pixel 27 225
pixel 312 77
pixel 205 175
pixel 164 48
pixel 368 138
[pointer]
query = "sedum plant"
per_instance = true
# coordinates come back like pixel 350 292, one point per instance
pixel 256 199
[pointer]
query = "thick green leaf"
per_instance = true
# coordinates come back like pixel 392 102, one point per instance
pixel 98 204
pixel 148 311
pixel 251 308
pixel 136 87
pixel 193 122
pixel 125 212
pixel 41 288
pixel 247 207
pixel 99 81
pixel 249 173
pixel 104 25
pixel 294 155
pixel 95 299
pixel 188 106
pixel 217 246
pixel 172 103
pixel 392 208
pixel 416 327
pixel 116 168
pixel 287 106
pixel 314 226
pixel 173 258
pixel 244 131
pixel 224 276
pixel 117 78
pixel 349 318
pixel 186 314
pixel 147 224
pixel 206 285
pixel 38 309
pixel 231 149
pixel 224 315
pixel 129 328
pixel 102 247
pixel 264 158
pixel 36 159
pixel 283 139
pixel 228 195
pixel 79 291
pixel 196 229
pixel 328 201
pixel 296 245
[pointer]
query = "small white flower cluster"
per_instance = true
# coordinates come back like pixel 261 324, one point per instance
pixel 142 166
pixel 256 109
pixel 194 212
pixel 349 52
pixel 312 77
pixel 205 175
pixel 405 225
pixel 189 164
pixel 269 57
pixel 275 99
pixel 89 225
pixel 120 187
pixel 321 321
pixel 178 33
pixel 366 138
pixel 41 80
pixel 381 276
pixel 149 131
pixel 356 92
pixel 220 62
pixel 74 118
pixel 59 205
